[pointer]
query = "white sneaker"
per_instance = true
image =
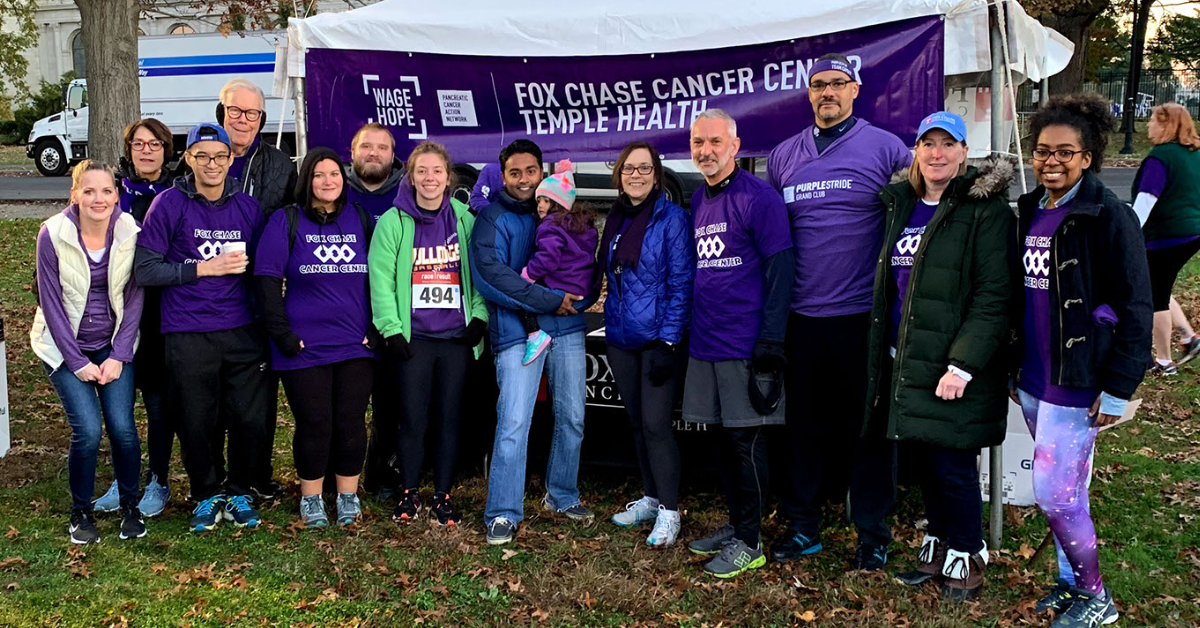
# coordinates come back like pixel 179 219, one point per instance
pixel 638 512
pixel 666 528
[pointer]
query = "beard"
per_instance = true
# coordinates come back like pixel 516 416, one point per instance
pixel 372 173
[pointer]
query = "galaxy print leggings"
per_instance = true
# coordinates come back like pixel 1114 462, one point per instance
pixel 1062 466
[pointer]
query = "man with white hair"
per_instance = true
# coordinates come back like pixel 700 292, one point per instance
pixel 744 270
pixel 263 171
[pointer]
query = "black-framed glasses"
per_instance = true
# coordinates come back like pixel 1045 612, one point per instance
pixel 819 86
pixel 1061 155
pixel 202 159
pixel 642 169
pixel 252 115
pixel 153 145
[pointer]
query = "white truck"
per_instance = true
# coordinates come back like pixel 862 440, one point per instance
pixel 180 77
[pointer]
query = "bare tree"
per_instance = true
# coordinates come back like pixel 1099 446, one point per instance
pixel 1073 19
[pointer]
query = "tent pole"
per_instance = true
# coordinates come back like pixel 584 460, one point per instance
pixel 301 119
pixel 996 454
pixel 1044 92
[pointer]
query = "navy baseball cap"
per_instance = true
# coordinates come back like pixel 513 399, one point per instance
pixel 207 132
pixel 946 121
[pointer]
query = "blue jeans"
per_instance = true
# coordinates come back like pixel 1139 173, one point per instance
pixel 566 370
pixel 90 406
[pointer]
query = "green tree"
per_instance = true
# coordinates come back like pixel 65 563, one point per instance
pixel 1074 19
pixel 46 101
pixel 14 42
pixel 1177 42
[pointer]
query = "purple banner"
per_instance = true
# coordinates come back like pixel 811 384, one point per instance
pixel 588 108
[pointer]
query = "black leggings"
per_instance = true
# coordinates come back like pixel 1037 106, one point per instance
pixel 1165 265
pixel 651 409
pixel 745 474
pixel 437 371
pixel 330 406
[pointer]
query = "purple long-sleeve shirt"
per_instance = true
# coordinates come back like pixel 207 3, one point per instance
pixel 98 323
pixel 561 259
pixel 487 186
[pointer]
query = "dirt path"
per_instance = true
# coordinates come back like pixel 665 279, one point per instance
pixel 29 210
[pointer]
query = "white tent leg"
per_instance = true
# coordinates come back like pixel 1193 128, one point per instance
pixel 301 119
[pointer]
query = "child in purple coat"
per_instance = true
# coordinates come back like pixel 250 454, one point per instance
pixel 564 253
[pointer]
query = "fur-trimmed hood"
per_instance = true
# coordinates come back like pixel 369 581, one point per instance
pixel 991 176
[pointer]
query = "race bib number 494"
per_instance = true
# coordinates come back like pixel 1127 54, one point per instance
pixel 435 290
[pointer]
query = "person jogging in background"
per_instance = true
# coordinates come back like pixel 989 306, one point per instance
pixel 193 245
pixel 85 333
pixel 322 342
pixel 830 175
pixel 744 268
pixel 1166 199
pixel 426 306
pixel 1085 318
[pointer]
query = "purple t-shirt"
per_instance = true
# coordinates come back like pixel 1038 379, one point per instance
pixel 437 298
pixel 327 299
pixel 836 214
pixel 189 229
pixel 735 232
pixel 903 254
pixel 1037 257
pixel 237 167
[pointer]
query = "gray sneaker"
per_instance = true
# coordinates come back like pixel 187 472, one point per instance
pixel 501 531
pixel 154 500
pixel 1088 611
pixel 735 557
pixel 348 508
pixel 574 512
pixel 312 511
pixel 712 543
pixel 637 512
pixel 110 501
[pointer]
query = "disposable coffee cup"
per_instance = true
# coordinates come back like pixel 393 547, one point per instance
pixel 230 247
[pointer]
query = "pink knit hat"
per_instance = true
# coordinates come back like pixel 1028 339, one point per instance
pixel 560 186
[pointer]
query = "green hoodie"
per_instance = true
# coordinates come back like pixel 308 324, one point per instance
pixel 390 265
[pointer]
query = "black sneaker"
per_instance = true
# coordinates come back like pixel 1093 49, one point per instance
pixel 1190 350
pixel 132 525
pixel 501 531
pixel 869 557
pixel 1059 599
pixel 795 545
pixel 266 491
pixel 409 506
pixel 574 512
pixel 1164 370
pixel 443 510
pixel 83 527
pixel 712 543
pixel 1090 610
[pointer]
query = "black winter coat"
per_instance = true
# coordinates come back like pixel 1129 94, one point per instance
pixel 1098 257
pixel 270 177
pixel 956 312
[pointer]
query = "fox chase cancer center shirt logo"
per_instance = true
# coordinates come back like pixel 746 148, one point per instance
pixel 1037 262
pixel 215 241
pixel 907 245
pixel 710 247
pixel 335 253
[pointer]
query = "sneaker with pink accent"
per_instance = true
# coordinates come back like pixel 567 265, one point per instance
pixel 535 344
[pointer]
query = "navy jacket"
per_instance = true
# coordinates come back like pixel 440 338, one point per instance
pixel 653 300
pixel 501 244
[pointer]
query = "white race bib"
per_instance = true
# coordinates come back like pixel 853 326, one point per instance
pixel 436 290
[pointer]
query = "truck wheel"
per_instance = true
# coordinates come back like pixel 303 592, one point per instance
pixel 49 158
pixel 673 191
pixel 464 182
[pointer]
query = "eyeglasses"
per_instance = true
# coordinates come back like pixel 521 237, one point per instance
pixel 1062 156
pixel 202 159
pixel 819 86
pixel 153 145
pixel 642 169
pixel 251 114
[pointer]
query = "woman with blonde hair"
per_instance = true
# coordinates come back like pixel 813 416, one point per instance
pixel 1166 193
pixel 85 331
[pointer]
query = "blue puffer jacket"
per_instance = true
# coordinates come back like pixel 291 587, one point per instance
pixel 653 300
pixel 501 244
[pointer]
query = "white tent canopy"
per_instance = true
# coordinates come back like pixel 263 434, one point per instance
pixel 485 27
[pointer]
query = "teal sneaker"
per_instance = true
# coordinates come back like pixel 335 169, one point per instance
pixel 312 511
pixel 240 512
pixel 207 514
pixel 110 501
pixel 155 499
pixel 535 344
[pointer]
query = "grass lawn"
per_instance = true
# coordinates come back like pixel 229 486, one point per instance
pixel 1146 497
pixel 1141 143
pixel 14 155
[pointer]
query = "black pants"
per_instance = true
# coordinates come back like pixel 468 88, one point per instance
pixel 330 406
pixel 746 480
pixel 950 487
pixel 651 410
pixel 826 391
pixel 160 434
pixel 381 470
pixel 215 376
pixel 436 373
pixel 266 452
pixel 1165 265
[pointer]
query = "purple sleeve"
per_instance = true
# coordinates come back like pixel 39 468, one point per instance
pixel 123 341
pixel 158 226
pixel 550 240
pixel 50 297
pixel 1154 177
pixel 271 256
pixel 486 187
pixel 773 168
pixel 768 222
pixel 902 158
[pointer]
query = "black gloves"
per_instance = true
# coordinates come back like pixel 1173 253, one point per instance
pixel 288 345
pixel 768 357
pixel 374 339
pixel 397 348
pixel 661 361
pixel 474 333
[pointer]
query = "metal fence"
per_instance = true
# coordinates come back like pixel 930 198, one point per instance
pixel 1157 86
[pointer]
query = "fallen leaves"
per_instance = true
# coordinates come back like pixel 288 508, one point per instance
pixel 11 562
